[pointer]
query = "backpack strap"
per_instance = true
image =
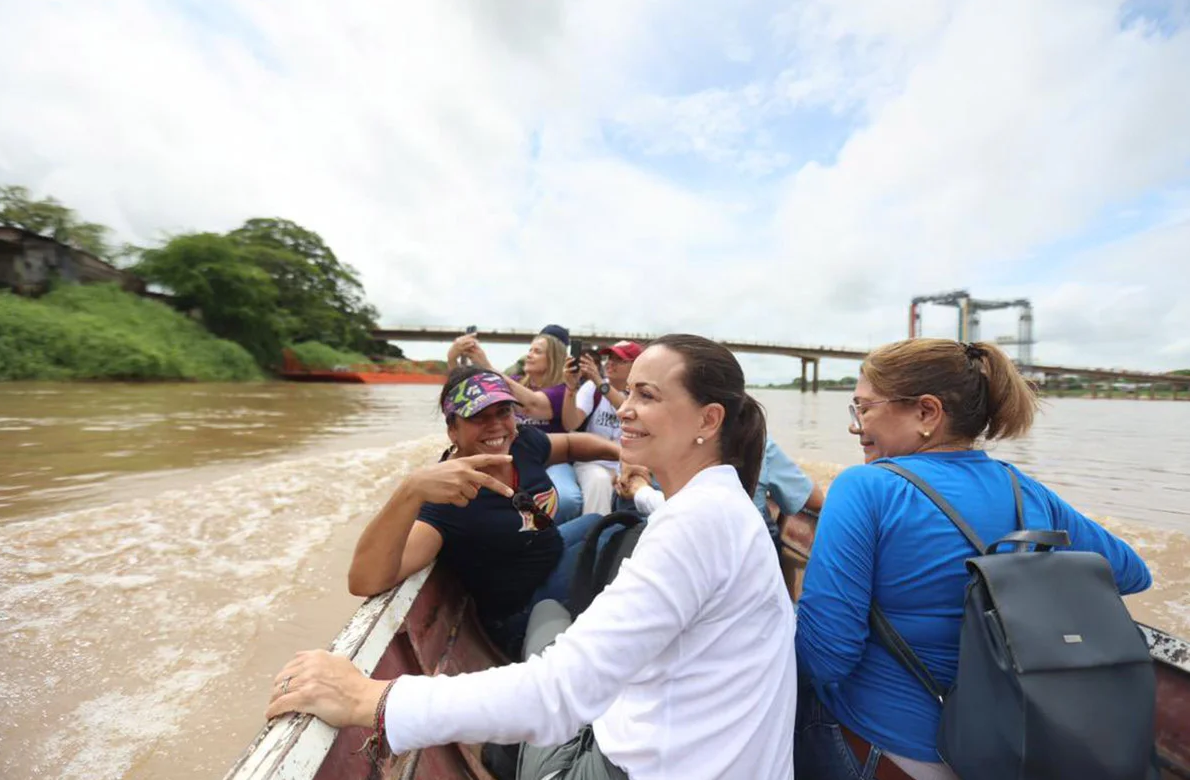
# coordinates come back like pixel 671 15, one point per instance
pixel 584 587
pixel 1043 540
pixel 1021 545
pixel 1016 497
pixel 594 408
pixel 878 622
pixel 900 650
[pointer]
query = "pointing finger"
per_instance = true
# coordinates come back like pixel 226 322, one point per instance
pixel 491 483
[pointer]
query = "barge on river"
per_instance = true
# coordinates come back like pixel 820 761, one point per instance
pixel 366 373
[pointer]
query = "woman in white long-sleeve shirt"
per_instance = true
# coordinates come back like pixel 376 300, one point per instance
pixel 684 666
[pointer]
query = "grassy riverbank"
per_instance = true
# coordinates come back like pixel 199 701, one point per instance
pixel 100 332
pixel 312 354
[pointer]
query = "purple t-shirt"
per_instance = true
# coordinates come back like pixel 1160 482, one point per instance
pixel 553 425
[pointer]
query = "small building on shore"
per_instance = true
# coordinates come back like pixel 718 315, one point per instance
pixel 30 262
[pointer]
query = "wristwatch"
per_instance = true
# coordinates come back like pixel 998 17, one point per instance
pixel 605 388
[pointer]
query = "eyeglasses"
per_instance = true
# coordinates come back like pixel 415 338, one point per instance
pixel 855 409
pixel 523 502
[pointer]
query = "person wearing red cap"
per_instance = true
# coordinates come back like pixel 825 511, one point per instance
pixel 620 357
pixel 590 405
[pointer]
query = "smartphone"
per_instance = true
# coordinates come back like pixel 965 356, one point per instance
pixel 471 331
pixel 576 351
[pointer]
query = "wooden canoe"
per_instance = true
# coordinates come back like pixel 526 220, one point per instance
pixel 427 626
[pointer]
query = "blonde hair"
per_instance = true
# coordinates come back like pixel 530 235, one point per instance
pixel 980 388
pixel 555 359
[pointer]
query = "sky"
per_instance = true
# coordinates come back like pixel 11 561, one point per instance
pixel 777 171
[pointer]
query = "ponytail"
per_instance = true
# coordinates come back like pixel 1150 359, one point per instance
pixel 744 442
pixel 1012 401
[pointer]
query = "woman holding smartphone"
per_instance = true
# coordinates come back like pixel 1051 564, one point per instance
pixel 539 392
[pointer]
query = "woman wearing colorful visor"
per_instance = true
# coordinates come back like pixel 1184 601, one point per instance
pixel 486 510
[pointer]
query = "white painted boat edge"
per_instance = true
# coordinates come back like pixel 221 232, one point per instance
pixel 293 747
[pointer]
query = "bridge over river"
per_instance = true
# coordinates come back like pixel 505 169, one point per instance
pixel 808 355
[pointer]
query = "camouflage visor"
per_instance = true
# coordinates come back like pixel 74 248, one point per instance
pixel 476 393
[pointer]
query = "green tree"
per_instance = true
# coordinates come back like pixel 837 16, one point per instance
pixel 237 299
pixel 48 217
pixel 321 298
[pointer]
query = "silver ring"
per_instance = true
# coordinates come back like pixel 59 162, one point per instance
pixel 285 685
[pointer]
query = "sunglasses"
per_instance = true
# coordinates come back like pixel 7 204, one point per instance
pixel 523 502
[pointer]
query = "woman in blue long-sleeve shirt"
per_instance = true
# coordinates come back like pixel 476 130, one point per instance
pixel 925 404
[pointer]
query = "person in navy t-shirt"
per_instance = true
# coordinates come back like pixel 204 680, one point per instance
pixel 486 510
pixel 539 392
pixel 479 539
pixel 924 404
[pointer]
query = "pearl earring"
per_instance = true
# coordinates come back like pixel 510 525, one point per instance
pixel 925 434
pixel 699 440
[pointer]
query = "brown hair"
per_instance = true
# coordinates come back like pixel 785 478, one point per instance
pixel 980 388
pixel 714 376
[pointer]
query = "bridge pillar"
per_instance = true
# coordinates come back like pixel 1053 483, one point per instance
pixel 815 376
pixel 804 388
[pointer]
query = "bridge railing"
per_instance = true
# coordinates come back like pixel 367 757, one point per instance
pixel 804 352
pixel 397 333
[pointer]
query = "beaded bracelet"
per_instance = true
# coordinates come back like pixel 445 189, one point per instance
pixel 372 745
pixel 381 708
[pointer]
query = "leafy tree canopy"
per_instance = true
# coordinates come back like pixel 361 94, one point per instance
pixel 48 217
pixel 322 298
pixel 213 274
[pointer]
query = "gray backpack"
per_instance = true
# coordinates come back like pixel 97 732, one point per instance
pixel 1054 680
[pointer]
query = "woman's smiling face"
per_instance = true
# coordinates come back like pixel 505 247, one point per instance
pixel 888 427
pixel 490 432
pixel 659 420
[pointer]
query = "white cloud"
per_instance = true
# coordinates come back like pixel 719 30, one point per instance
pixel 457 153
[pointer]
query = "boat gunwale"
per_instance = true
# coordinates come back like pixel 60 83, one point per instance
pixel 293 747
pixel 1167 648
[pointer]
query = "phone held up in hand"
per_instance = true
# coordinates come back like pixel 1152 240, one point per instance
pixel 576 352
pixel 471 331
